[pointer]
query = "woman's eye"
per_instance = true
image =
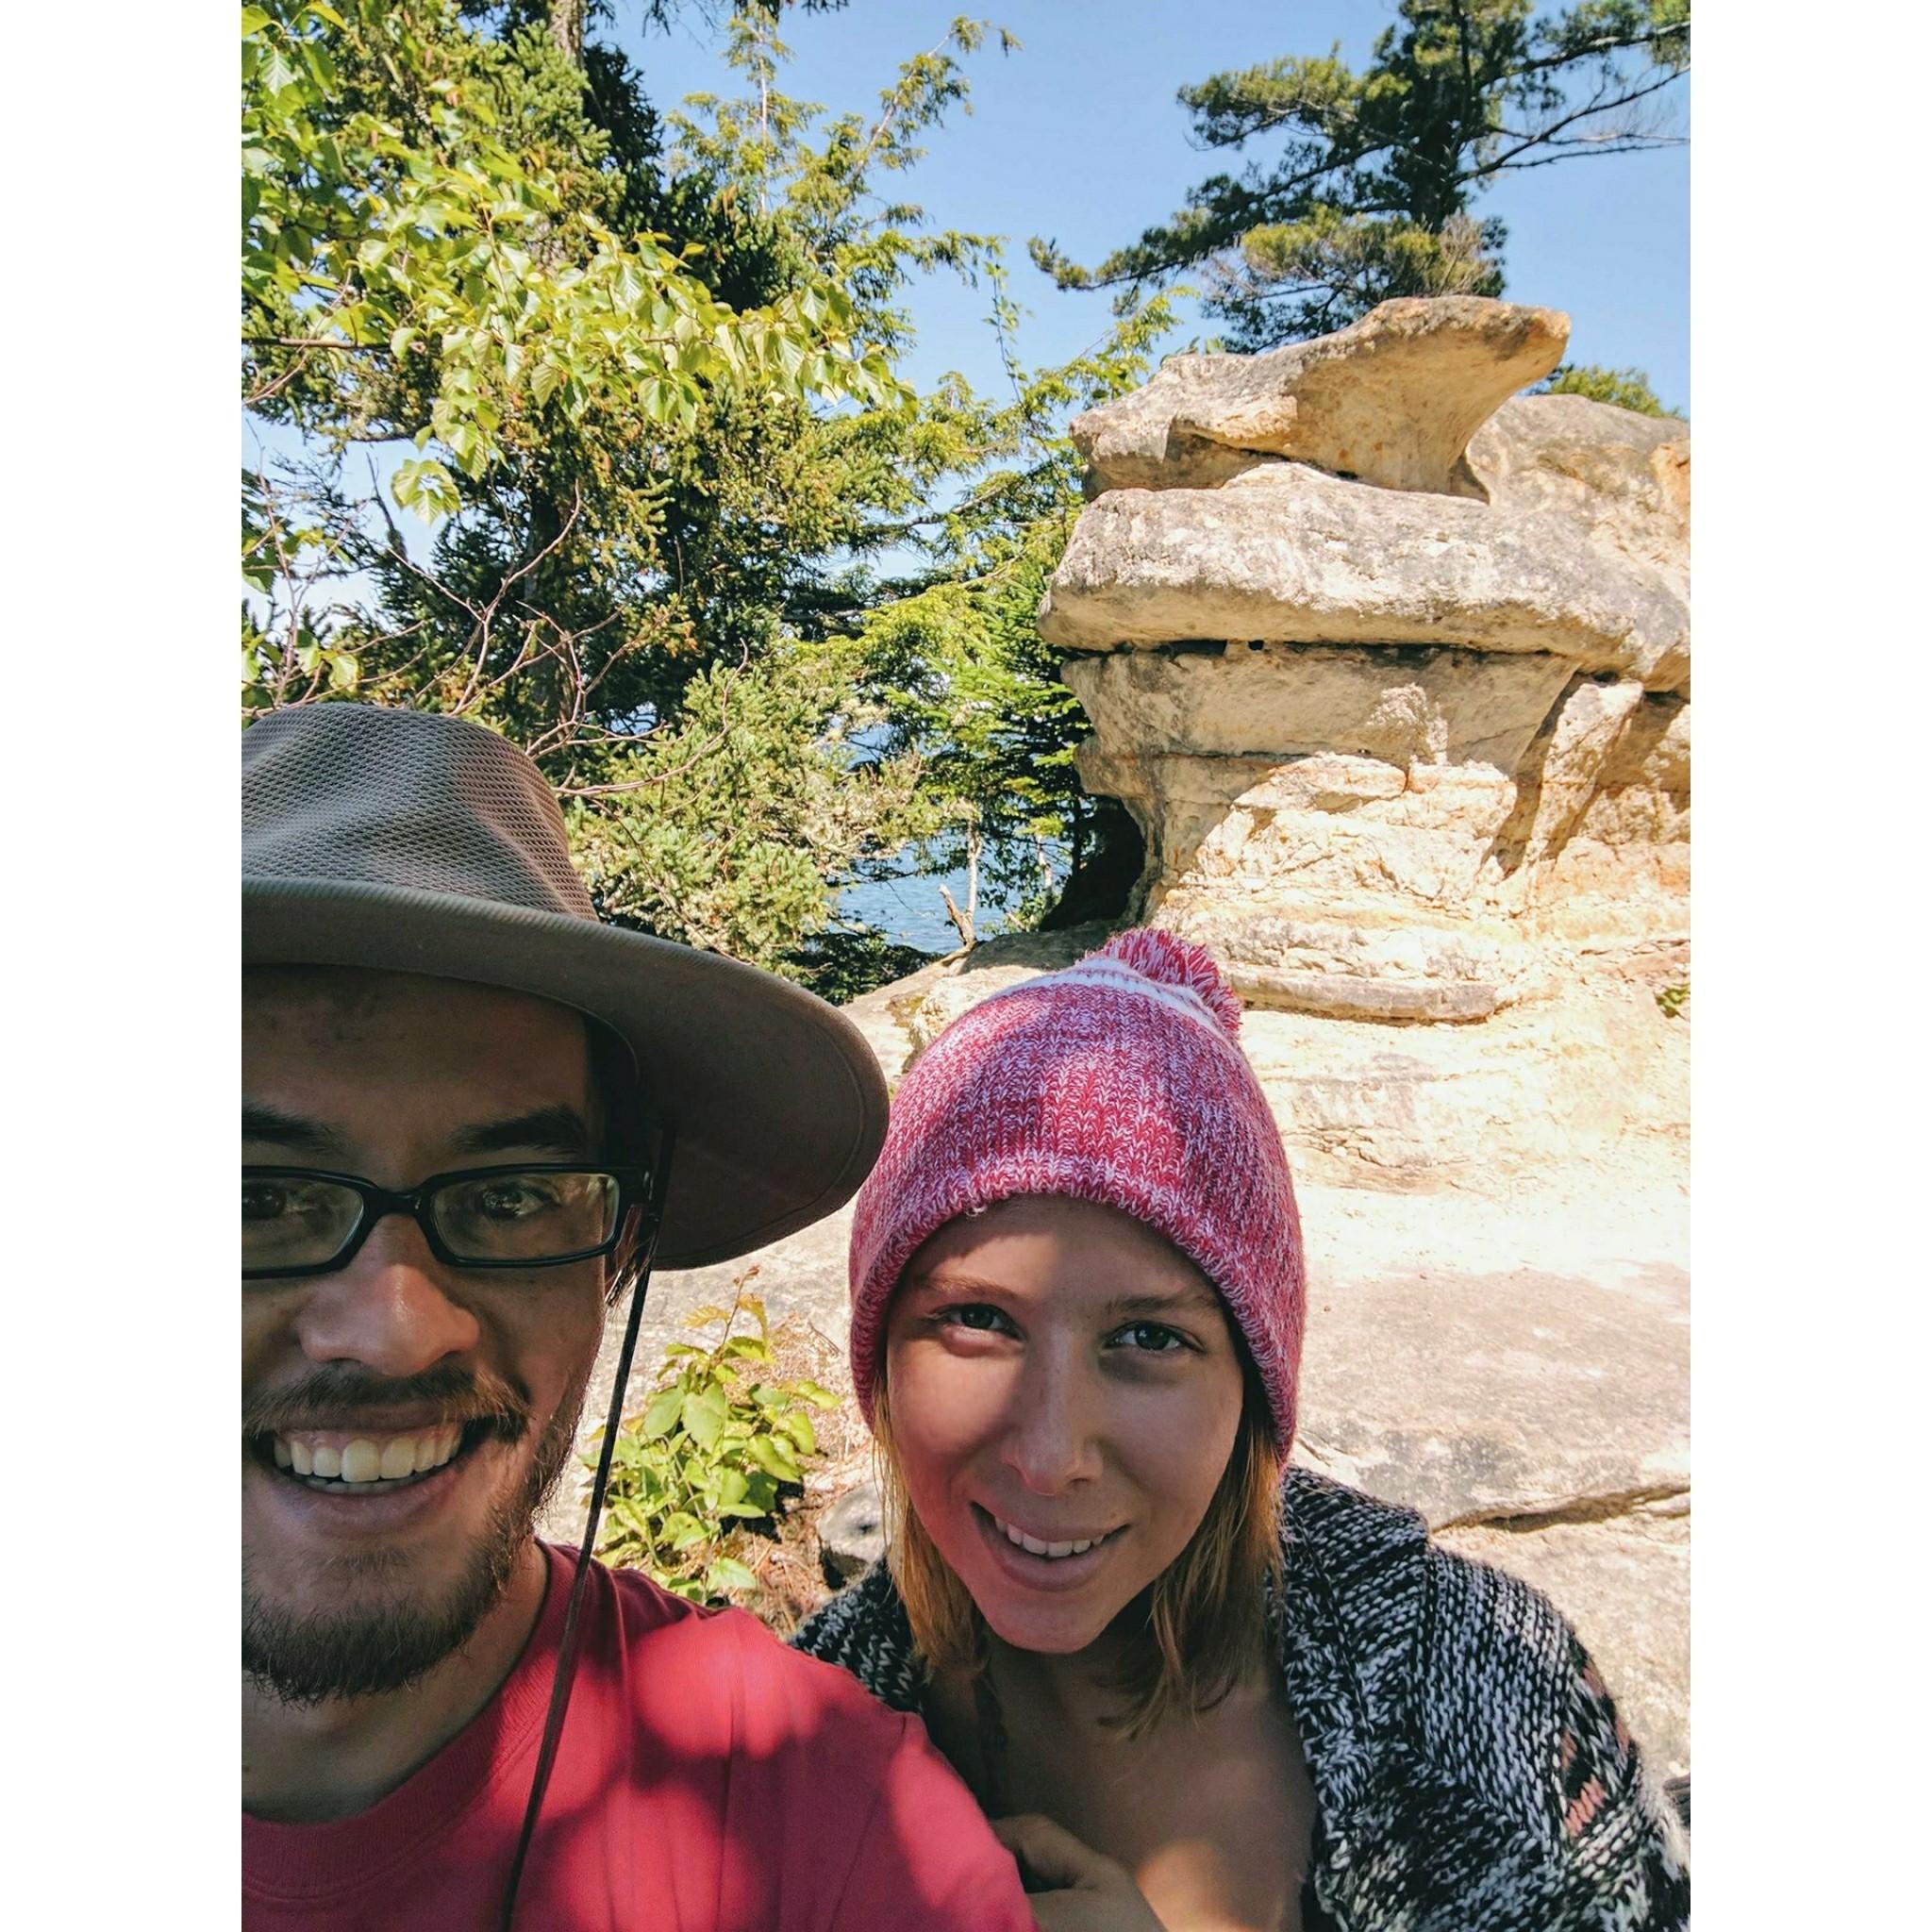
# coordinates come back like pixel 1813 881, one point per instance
pixel 1151 1338
pixel 976 1316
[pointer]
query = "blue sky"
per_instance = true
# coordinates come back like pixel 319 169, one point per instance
pixel 1078 137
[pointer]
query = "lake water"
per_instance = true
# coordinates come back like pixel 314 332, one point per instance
pixel 909 911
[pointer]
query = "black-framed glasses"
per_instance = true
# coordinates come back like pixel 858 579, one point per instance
pixel 302 1221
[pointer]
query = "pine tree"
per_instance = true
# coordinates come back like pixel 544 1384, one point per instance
pixel 1374 193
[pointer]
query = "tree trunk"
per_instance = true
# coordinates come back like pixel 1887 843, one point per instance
pixel 567 28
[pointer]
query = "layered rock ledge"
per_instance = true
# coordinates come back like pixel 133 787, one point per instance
pixel 1292 556
pixel 1394 400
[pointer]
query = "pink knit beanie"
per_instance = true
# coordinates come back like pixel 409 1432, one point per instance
pixel 1120 1080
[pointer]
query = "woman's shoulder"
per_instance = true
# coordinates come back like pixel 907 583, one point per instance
pixel 1479 1684
pixel 864 1631
pixel 1477 1663
pixel 1372 1548
pixel 1440 1627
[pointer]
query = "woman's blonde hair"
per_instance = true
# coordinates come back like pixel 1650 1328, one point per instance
pixel 1204 1613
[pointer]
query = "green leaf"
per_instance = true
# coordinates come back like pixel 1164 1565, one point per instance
pixel 773 1455
pixel 633 1519
pixel 703 1414
pixel 661 1414
pixel 277 73
pixel 253 20
pixel 681 1529
pixel 727 1573
pixel 426 488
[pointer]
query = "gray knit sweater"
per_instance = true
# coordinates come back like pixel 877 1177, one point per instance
pixel 1472 1772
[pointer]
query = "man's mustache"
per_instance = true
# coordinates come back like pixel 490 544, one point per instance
pixel 334 1394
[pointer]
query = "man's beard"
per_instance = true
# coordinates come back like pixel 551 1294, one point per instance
pixel 303 1658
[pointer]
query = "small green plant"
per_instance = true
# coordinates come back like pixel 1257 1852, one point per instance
pixel 1671 1001
pixel 1628 389
pixel 713 1458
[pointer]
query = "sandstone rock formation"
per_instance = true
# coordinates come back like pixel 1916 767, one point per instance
pixel 1290 556
pixel 1407 733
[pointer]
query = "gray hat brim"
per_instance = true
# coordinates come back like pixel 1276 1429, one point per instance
pixel 779 1104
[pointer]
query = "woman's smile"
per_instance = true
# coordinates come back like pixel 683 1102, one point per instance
pixel 1068 1564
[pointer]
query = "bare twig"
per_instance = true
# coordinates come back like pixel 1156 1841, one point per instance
pixel 962 923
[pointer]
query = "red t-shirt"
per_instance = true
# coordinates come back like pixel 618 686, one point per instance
pixel 708 1781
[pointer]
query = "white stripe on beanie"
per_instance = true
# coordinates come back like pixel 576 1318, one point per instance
pixel 1099 969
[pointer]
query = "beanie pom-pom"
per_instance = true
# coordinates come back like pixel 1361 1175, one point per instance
pixel 1169 961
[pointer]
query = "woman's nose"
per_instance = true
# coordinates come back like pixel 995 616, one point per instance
pixel 1057 1421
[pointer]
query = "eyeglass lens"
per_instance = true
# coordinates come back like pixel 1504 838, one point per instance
pixel 290 1220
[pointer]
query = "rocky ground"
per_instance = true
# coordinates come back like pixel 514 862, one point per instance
pixel 1505 1352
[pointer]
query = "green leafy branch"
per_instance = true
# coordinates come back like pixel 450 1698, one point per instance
pixel 719 1449
pixel 410 269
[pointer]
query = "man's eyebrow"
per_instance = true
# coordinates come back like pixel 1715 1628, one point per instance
pixel 559 1130
pixel 260 1121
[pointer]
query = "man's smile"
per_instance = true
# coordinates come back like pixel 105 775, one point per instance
pixel 357 1465
pixel 337 1459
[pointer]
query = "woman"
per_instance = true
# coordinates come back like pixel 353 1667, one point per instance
pixel 1076 1278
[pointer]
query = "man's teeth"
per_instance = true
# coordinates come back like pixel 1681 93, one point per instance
pixel 1033 1545
pixel 369 1459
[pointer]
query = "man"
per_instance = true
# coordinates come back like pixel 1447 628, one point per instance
pixel 470 1111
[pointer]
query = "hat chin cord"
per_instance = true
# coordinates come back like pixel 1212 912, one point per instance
pixel 567 1647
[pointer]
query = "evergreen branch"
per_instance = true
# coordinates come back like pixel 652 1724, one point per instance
pixel 1537 137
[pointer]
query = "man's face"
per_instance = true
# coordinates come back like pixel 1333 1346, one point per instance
pixel 354 1587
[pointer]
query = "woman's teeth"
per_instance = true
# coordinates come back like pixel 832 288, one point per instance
pixel 1034 1547
pixel 369 1459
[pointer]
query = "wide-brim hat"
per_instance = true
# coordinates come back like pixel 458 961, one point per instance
pixel 420 843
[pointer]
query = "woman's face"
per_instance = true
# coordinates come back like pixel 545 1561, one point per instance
pixel 1065 1391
